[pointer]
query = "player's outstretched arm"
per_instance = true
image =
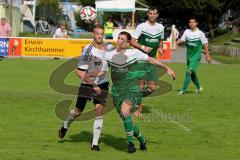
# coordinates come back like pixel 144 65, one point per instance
pixel 159 64
pixel 208 57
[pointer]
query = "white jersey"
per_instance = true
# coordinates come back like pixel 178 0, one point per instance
pixel 59 34
pixel 92 60
pixel 192 36
pixel 149 30
pixel 124 59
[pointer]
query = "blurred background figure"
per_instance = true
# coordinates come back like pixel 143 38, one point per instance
pixel 61 32
pixel 108 29
pixel 5 28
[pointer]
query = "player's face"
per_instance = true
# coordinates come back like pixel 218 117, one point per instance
pixel 122 42
pixel 152 15
pixel 192 24
pixel 98 35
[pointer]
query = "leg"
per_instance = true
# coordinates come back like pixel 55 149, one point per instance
pixel 81 103
pixel 187 80
pixel 126 108
pixel 99 102
pixel 195 80
pixel 97 126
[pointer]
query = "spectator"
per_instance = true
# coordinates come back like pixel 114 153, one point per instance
pixel 61 32
pixel 108 29
pixel 5 28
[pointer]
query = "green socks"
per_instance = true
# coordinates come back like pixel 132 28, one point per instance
pixel 128 124
pixel 137 133
pixel 186 81
pixel 195 80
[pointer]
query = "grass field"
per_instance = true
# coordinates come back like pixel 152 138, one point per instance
pixel 28 124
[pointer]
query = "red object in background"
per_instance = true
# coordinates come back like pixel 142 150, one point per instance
pixel 14 47
pixel 167 52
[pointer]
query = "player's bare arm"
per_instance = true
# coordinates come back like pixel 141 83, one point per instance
pixel 159 64
pixel 135 44
pixel 160 49
pixel 208 57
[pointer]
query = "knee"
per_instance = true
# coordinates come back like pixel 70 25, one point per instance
pixel 189 71
pixel 152 88
pixel 124 113
pixel 76 112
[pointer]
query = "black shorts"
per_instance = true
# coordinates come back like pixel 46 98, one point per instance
pixel 86 93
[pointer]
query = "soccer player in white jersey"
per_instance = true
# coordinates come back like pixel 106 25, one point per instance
pixel 90 60
pixel 194 39
pixel 125 89
pixel 148 37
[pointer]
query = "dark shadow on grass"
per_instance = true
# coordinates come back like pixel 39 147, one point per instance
pixel 85 136
pixel 115 142
pixel 146 109
pixel 186 92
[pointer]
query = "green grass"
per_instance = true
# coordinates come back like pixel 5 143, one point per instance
pixel 29 125
pixel 220 40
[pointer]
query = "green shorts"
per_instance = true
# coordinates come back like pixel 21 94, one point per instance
pixel 193 65
pixel 151 71
pixel 134 96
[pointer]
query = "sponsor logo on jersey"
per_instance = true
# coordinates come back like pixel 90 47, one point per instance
pixel 152 40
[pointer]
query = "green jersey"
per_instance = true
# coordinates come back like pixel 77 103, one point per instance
pixel 194 41
pixel 125 74
pixel 149 35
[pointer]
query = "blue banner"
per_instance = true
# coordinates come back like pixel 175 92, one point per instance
pixel 4 42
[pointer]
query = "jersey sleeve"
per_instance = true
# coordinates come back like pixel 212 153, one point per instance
pixel 138 31
pixel 183 38
pixel 84 59
pixel 162 37
pixel 203 38
pixel 140 55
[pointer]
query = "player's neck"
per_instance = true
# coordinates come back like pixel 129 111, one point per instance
pixel 99 46
pixel 194 29
pixel 151 23
pixel 119 50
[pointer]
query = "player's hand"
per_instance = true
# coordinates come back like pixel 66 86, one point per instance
pixel 88 79
pixel 171 73
pixel 97 89
pixel 179 42
pixel 161 52
pixel 208 58
pixel 147 49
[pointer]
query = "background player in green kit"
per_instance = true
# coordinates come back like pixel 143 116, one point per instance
pixel 194 39
pixel 148 37
pixel 125 89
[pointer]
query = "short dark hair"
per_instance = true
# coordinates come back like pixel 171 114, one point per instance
pixel 193 18
pixel 98 27
pixel 128 35
pixel 151 8
pixel 3 19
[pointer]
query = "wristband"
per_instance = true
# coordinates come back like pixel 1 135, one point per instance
pixel 142 47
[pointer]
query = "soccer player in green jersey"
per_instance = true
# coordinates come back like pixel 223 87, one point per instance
pixel 194 39
pixel 125 89
pixel 148 37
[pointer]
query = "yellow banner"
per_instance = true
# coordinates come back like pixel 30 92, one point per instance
pixel 53 47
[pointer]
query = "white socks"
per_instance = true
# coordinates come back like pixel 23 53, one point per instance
pixel 97 127
pixel 69 120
